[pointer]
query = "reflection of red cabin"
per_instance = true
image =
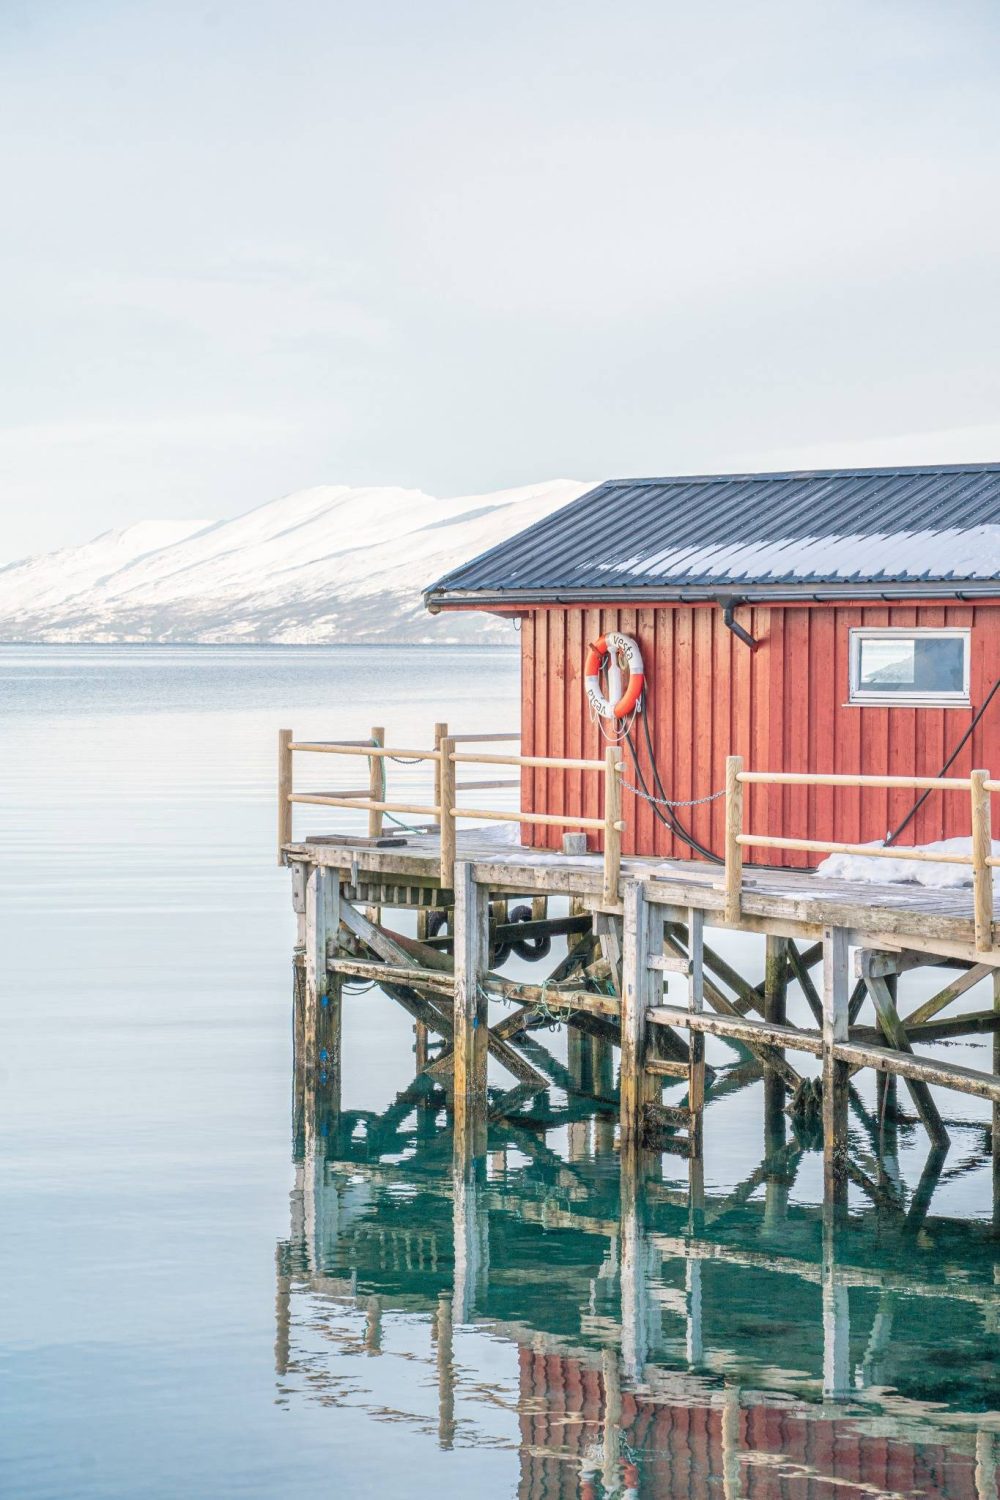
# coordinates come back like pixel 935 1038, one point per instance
pixel 842 621
pixel 682 1449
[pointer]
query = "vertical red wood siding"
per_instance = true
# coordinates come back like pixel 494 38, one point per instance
pixel 783 708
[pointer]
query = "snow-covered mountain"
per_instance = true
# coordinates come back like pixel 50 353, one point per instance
pixel 333 563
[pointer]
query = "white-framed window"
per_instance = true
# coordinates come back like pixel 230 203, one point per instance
pixel 910 667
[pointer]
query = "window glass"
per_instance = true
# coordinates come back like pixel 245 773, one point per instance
pixel 914 666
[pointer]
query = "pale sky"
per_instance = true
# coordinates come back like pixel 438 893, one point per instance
pixel 253 246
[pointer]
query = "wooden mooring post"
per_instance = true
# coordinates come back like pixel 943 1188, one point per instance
pixel 471 1011
pixel 637 1087
pixel 836 992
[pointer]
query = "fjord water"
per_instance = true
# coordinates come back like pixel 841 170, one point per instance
pixel 198 1299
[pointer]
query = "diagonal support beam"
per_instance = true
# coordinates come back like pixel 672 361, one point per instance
pixel 948 994
pixel 770 1056
pixel 387 948
pixel 895 1034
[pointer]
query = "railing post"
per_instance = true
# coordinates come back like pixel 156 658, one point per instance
pixel 982 850
pixel 440 733
pixel 612 825
pixel 376 785
pixel 734 827
pixel 284 791
pixel 447 806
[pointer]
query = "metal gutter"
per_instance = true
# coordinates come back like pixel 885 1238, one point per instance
pixel 713 594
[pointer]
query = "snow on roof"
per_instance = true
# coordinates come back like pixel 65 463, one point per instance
pixel 866 529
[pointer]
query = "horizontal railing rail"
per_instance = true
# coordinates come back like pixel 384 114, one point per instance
pixel 446 810
pixel 611 824
pixel 976 786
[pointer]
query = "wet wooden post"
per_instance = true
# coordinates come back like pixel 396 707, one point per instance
pixel 471 1013
pixel 835 1074
pixel 299 873
pixel 421 1036
pixel 696 1071
pixel 329 1050
pixel 775 1010
pixel 322 925
pixel 887 1104
pixel 284 791
pixel 636 1088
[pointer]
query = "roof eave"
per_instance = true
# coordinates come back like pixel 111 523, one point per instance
pixel 750 593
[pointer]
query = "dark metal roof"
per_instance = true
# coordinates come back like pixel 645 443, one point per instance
pixel 844 531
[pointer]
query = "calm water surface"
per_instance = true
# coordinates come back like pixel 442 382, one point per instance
pixel 211 1289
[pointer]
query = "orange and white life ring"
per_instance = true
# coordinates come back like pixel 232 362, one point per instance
pixel 621 649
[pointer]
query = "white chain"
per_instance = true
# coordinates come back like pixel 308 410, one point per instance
pixel 667 801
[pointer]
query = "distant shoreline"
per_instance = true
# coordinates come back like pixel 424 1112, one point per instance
pixel 268 645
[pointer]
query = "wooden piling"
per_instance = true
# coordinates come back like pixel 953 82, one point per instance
pixel 637 1087
pixel 775 1007
pixel 835 1073
pixel 322 924
pixel 470 1014
pixel 696 1004
pixel 285 738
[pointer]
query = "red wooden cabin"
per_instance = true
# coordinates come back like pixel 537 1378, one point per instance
pixel 837 621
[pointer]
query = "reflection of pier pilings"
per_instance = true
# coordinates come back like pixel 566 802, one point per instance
pixel 680 1289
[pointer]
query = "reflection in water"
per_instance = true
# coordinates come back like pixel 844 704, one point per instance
pixel 647 1337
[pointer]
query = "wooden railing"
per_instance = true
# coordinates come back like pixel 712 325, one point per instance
pixel 976 786
pixel 445 810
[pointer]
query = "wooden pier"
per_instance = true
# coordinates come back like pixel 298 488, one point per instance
pixel 642 973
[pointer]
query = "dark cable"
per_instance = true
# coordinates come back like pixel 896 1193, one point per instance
pixel 666 816
pixel 682 832
pixel 947 765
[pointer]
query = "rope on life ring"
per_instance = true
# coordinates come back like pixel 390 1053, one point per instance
pixel 621 700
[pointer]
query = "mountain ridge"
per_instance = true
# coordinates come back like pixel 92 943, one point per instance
pixel 327 563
